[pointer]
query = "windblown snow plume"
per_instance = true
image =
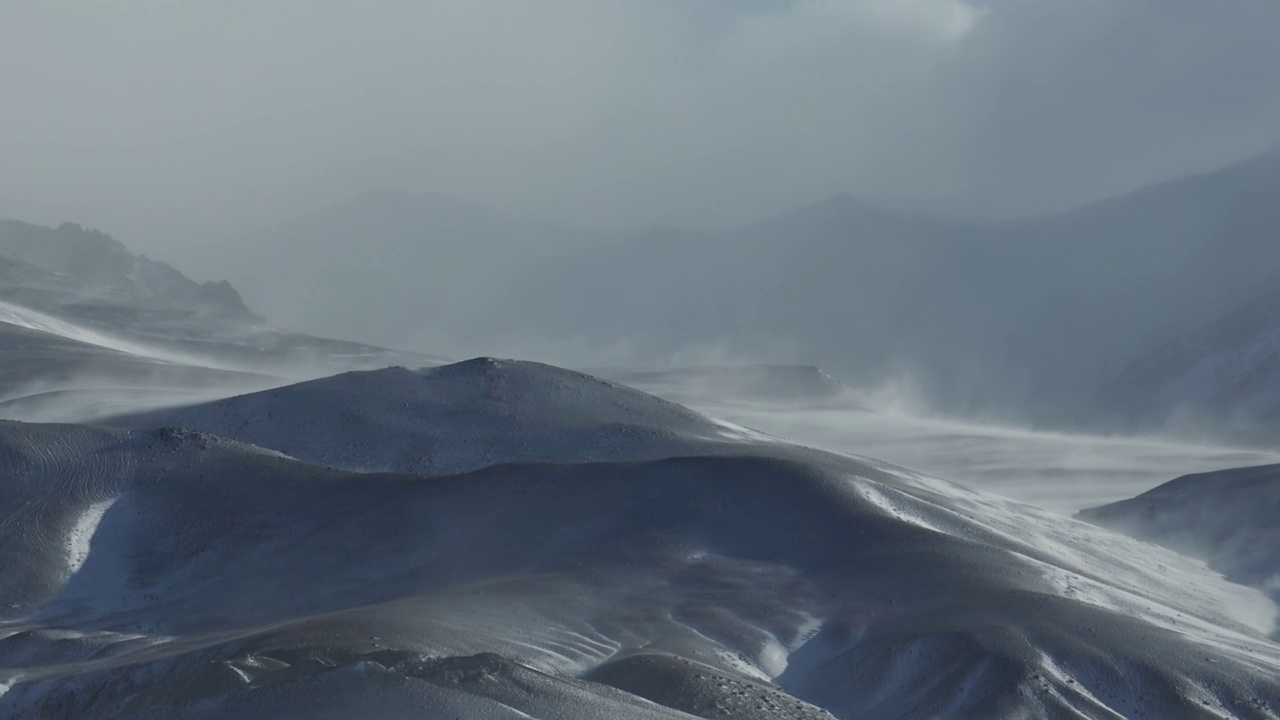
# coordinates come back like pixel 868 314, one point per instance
pixel 690 573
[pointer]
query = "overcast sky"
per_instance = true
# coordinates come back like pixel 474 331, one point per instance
pixel 169 121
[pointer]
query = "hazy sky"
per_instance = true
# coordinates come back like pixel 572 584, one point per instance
pixel 168 122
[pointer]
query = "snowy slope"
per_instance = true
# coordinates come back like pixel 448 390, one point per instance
pixel 420 421
pixel 1226 371
pixel 99 267
pixel 89 329
pixel 450 419
pixel 1228 518
pixel 769 383
pixel 50 376
pixel 52 370
pixel 1058 471
pixel 172 574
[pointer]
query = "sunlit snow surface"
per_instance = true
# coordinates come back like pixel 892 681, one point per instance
pixel 1058 471
pixel 640 561
pixel 1227 517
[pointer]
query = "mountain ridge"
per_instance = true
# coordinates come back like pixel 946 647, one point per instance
pixel 1024 319
pixel 91 329
pixel 95 260
pixel 1224 517
pixel 223 579
pixel 402 420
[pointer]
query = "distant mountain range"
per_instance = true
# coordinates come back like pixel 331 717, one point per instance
pixel 1223 373
pixel 87 328
pixel 1148 310
pixel 61 270
pixel 1032 317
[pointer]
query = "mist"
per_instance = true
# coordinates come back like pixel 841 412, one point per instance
pixel 641 359
pixel 460 179
pixel 182 125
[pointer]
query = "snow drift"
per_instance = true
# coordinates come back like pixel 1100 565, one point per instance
pixel 453 419
pixel 700 573
pixel 1228 518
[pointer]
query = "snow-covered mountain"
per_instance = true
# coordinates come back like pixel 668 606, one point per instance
pixel 702 573
pixel 405 420
pixel 1028 320
pixel 46 374
pixel 506 539
pixel 89 328
pixel 1025 318
pixel 1225 372
pixel 1227 518
pixel 451 419
pixel 71 270
pixel 1063 472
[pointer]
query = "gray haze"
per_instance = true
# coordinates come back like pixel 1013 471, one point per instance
pixel 1027 246
pixel 896 190
pixel 181 125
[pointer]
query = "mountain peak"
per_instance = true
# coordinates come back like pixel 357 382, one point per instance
pixel 448 419
pixel 95 260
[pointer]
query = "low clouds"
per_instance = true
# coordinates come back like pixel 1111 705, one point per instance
pixel 177 122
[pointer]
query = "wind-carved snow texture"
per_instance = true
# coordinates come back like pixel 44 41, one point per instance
pixel 29 319
pixel 1228 518
pixel 687 573
pixel 454 419
pixel 1058 471
pixel 82 532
